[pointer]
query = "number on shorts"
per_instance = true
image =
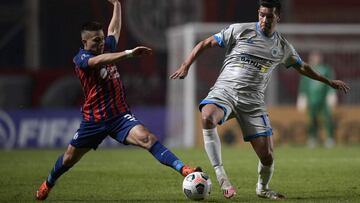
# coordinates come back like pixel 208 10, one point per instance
pixel 130 117
pixel 76 135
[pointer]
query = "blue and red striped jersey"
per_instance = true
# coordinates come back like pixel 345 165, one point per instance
pixel 103 89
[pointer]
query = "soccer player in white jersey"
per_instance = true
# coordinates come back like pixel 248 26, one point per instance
pixel 253 51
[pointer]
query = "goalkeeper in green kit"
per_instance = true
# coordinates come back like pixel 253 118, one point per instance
pixel 319 99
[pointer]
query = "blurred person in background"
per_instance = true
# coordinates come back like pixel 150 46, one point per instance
pixel 105 110
pixel 318 99
pixel 253 51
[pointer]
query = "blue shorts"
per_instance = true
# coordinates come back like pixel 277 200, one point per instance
pixel 91 134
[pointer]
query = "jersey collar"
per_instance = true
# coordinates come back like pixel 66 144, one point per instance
pixel 262 33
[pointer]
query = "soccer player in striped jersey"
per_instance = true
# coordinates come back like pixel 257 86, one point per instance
pixel 105 111
pixel 253 51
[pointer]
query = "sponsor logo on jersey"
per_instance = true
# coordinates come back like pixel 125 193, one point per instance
pixel 262 65
pixel 109 72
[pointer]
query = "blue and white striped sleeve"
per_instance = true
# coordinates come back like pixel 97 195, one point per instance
pixel 292 58
pixel 224 37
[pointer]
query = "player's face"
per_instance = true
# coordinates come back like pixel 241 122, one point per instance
pixel 94 42
pixel 268 19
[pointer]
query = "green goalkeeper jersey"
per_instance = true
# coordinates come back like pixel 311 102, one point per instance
pixel 316 91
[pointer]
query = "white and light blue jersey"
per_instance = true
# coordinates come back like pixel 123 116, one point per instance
pixel 249 61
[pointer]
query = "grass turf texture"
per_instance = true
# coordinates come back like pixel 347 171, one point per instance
pixel 132 175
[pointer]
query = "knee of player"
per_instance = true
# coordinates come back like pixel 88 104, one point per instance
pixel 69 159
pixel 146 140
pixel 208 121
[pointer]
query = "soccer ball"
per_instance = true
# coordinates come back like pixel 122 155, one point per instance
pixel 197 186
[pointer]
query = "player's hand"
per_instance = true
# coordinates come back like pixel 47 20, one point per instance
pixel 340 85
pixel 113 1
pixel 180 73
pixel 141 51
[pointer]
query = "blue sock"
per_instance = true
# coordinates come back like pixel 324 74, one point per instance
pixel 57 171
pixel 165 156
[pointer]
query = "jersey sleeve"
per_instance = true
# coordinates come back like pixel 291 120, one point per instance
pixel 291 57
pixel 82 59
pixel 110 44
pixel 225 37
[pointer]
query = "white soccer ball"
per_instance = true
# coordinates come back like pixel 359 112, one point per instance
pixel 197 186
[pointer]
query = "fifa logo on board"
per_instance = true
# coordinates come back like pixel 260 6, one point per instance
pixel 7 131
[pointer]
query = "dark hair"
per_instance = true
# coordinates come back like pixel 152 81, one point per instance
pixel 91 26
pixel 271 4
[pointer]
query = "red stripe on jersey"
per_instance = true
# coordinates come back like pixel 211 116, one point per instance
pixel 113 96
pixel 86 107
pixel 117 97
pixel 102 102
pixel 104 97
pixel 94 102
pixel 123 105
pixel 89 99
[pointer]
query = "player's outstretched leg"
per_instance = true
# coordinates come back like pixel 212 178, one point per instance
pixel 213 150
pixel 140 136
pixel 166 157
pixel 58 169
pixel 62 164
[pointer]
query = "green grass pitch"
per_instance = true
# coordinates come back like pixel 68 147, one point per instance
pixel 133 175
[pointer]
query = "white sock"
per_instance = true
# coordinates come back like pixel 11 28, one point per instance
pixel 265 174
pixel 213 149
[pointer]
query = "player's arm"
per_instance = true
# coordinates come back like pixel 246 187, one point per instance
pixel 114 28
pixel 306 70
pixel 183 70
pixel 110 58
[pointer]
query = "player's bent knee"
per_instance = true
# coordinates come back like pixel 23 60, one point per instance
pixel 208 121
pixel 69 160
pixel 141 137
pixel 145 140
pixel 73 155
